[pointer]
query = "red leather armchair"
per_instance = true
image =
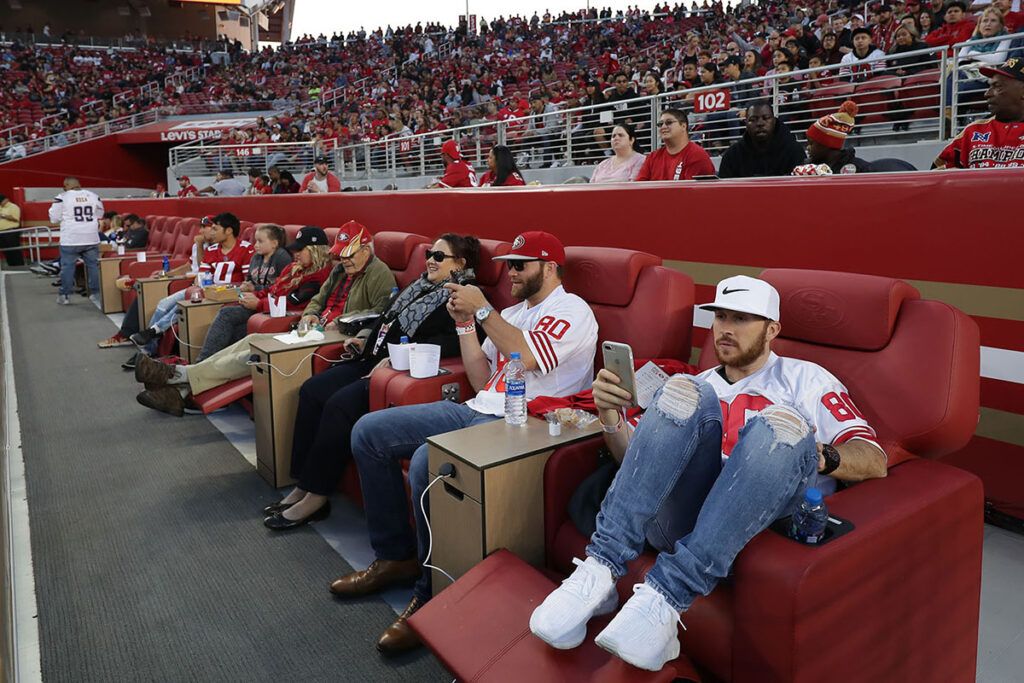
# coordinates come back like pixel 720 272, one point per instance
pixel 897 598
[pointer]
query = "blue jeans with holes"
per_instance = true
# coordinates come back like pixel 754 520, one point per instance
pixel 90 254
pixel 699 527
pixel 380 441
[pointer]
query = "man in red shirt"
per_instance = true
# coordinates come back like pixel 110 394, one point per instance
pixel 321 179
pixel 679 159
pixel 957 29
pixel 1012 20
pixel 997 142
pixel 457 173
pixel 187 188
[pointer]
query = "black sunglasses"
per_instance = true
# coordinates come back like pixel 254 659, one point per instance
pixel 438 256
pixel 518 265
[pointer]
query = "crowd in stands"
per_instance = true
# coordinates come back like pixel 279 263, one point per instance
pixel 396 82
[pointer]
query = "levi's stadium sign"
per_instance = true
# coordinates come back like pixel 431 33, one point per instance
pixel 180 130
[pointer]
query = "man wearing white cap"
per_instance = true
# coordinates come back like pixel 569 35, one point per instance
pixel 716 459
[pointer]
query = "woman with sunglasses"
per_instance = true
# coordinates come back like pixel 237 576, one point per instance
pixel 331 402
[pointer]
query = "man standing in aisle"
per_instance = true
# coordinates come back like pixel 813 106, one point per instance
pixel 78 212
pixel 10 236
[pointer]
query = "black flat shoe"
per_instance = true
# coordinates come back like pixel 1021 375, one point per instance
pixel 275 508
pixel 280 523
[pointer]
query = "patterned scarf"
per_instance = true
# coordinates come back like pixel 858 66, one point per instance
pixel 416 302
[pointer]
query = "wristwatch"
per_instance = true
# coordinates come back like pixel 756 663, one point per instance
pixel 831 458
pixel 482 312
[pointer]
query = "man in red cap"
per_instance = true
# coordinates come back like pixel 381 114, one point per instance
pixel 361 284
pixel 996 142
pixel 555 334
pixel 457 173
pixel 187 188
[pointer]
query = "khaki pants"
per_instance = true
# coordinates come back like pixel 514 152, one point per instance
pixel 225 366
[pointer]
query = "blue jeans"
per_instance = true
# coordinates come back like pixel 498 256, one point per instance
pixel 380 441
pixel 706 523
pixel 165 315
pixel 90 254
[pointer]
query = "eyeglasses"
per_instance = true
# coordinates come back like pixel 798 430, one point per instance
pixel 438 256
pixel 519 264
pixel 667 123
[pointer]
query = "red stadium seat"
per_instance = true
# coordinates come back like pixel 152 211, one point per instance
pixel 827 100
pixel 920 93
pixel 403 252
pixel 918 532
pixel 873 98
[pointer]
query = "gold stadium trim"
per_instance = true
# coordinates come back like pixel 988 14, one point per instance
pixel 991 302
pixel 1001 425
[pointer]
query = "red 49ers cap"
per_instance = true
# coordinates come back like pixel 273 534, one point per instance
pixel 352 237
pixel 451 148
pixel 207 220
pixel 535 245
pixel 1014 68
pixel 183 178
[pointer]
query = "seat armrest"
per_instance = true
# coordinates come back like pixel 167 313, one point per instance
pixel 139 269
pixel 918 536
pixel 326 356
pixel 390 387
pixel 261 323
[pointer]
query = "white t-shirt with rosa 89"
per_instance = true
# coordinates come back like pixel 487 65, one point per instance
pixel 561 332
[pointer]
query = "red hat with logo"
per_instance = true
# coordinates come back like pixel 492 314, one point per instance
pixel 451 148
pixel 535 246
pixel 183 178
pixel 207 220
pixel 351 238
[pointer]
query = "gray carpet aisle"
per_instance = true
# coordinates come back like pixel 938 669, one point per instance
pixel 151 563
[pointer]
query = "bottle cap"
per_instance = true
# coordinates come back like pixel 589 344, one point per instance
pixel 514 356
pixel 812 496
pixel 403 340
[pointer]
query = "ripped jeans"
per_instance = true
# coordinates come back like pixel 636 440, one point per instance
pixel 673 489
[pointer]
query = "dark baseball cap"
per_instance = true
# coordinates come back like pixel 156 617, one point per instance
pixel 1013 68
pixel 308 236
pixel 734 59
pixel 322 159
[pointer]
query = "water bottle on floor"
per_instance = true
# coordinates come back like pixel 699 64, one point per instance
pixel 809 521
pixel 515 390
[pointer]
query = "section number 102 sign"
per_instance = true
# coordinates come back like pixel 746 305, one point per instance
pixel 711 100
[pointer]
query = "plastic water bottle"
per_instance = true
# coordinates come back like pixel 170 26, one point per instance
pixel 391 299
pixel 167 263
pixel 404 340
pixel 809 521
pixel 515 390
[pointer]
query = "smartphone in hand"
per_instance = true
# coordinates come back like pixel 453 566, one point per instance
pixel 618 358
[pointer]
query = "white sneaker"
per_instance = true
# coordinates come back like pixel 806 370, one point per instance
pixel 561 620
pixel 643 633
pixel 63 300
pixel 95 298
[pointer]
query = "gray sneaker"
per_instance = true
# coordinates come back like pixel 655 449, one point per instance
pixel 95 299
pixel 63 300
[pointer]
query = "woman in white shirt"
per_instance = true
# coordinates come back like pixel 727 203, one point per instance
pixel 626 161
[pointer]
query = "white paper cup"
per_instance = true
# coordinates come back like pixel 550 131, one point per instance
pixel 278 306
pixel 399 354
pixel 424 360
pixel 140 257
pixel 120 250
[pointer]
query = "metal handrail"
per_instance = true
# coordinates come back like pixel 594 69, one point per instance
pixel 76 135
pixel 34 245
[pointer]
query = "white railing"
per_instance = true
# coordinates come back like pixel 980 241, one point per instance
pixel 200 160
pixel 75 135
pixel 149 89
pixel 908 105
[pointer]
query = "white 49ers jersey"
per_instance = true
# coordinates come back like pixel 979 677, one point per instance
pixel 561 332
pixel 810 389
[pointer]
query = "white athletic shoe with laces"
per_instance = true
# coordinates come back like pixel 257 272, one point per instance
pixel 643 633
pixel 561 620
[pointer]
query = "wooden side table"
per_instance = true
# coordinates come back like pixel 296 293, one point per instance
pixel 150 291
pixel 194 321
pixel 496 497
pixel 110 270
pixel 275 398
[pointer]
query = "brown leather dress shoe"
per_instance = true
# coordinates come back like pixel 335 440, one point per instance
pixel 378 576
pixel 400 637
pixel 165 399
pixel 152 373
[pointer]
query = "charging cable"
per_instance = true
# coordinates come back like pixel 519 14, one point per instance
pixel 254 359
pixel 446 470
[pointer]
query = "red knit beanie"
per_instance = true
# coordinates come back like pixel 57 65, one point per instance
pixel 831 130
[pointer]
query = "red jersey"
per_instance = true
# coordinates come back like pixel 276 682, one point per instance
pixel 690 161
pixel 228 268
pixel 985 144
pixel 459 174
pixel 299 293
pixel 1013 21
pixel 190 191
pixel 513 179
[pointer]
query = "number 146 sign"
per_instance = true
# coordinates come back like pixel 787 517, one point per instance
pixel 711 100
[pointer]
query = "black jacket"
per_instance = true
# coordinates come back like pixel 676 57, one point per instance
pixel 135 238
pixel 744 160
